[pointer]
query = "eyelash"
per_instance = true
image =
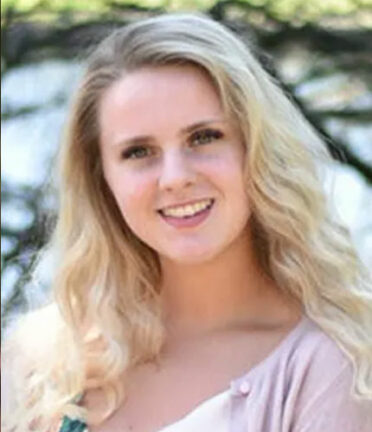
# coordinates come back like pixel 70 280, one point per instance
pixel 204 136
pixel 208 134
pixel 135 152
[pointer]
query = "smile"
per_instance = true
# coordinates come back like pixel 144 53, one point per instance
pixel 187 216
pixel 187 211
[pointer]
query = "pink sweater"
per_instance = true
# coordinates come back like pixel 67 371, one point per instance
pixel 302 386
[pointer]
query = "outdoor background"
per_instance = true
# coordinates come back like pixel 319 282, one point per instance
pixel 320 50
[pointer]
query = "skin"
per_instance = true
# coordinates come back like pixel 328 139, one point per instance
pixel 171 167
pixel 217 302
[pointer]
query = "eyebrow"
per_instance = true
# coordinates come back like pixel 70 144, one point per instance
pixel 142 139
pixel 200 124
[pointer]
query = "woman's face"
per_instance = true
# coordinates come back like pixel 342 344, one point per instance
pixel 174 162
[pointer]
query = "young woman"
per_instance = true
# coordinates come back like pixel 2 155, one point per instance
pixel 202 281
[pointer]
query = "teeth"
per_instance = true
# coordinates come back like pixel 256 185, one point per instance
pixel 187 210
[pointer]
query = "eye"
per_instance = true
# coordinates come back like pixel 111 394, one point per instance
pixel 205 136
pixel 136 152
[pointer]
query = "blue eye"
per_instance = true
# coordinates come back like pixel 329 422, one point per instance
pixel 205 136
pixel 136 152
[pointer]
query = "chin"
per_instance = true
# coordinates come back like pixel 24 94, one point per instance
pixel 191 256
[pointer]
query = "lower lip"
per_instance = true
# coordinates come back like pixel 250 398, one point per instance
pixel 189 222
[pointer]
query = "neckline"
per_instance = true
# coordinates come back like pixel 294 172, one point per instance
pixel 236 382
pixel 195 410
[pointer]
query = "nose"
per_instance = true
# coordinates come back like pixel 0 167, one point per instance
pixel 176 172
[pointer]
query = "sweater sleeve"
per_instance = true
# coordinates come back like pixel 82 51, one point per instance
pixel 334 409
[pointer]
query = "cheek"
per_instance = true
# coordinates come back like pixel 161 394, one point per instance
pixel 229 173
pixel 132 192
pixel 232 183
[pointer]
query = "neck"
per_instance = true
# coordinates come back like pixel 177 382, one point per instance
pixel 228 291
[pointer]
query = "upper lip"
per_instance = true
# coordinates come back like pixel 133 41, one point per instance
pixel 182 204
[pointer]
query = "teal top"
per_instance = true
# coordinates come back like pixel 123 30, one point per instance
pixel 69 425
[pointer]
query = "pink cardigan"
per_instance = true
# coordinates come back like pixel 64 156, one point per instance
pixel 302 386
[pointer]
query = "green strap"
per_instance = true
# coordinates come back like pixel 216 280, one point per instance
pixel 69 425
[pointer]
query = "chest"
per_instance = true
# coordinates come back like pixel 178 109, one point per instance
pixel 186 379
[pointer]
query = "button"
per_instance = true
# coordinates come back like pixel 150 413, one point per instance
pixel 244 388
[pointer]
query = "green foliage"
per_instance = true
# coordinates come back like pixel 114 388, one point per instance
pixel 306 10
pixel 54 5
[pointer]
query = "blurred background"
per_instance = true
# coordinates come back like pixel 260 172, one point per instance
pixel 320 50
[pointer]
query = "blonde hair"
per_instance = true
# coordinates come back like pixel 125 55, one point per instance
pixel 106 285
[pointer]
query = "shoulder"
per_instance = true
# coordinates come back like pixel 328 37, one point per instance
pixel 315 354
pixel 310 361
pixel 320 381
pixel 307 354
pixel 306 385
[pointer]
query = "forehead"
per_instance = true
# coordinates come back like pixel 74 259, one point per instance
pixel 166 96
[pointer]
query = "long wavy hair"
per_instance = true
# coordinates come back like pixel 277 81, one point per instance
pixel 106 316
